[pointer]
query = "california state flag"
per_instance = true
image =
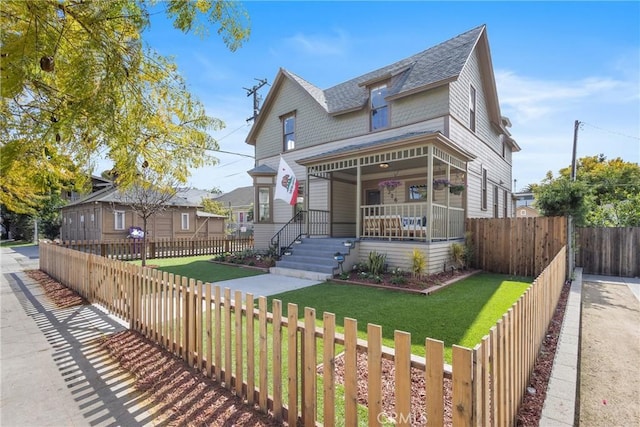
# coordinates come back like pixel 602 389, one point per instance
pixel 286 183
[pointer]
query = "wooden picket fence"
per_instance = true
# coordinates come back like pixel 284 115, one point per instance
pixel 516 246
pixel 271 360
pixel 130 249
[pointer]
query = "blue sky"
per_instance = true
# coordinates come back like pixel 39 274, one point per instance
pixel 554 62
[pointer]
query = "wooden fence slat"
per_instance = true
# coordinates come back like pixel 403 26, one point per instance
pixel 209 329
pixel 309 392
pixel 276 307
pixel 263 342
pixel 239 347
pixel 251 356
pixel 374 374
pixel 228 367
pixel 218 332
pixel 350 372
pixel 402 342
pixel 434 373
pixel 292 363
pixel 462 374
pixel 328 368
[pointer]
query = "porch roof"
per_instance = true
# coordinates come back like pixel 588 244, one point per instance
pixel 393 142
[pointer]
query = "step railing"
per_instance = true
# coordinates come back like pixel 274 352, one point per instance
pixel 289 233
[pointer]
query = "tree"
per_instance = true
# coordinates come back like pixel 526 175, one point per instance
pixel 148 196
pixel 78 82
pixel 215 207
pixel 605 193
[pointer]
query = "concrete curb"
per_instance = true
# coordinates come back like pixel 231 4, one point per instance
pixel 560 404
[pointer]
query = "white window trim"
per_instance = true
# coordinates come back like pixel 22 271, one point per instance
pixel 484 190
pixel 184 216
pixel 115 220
pixel 473 110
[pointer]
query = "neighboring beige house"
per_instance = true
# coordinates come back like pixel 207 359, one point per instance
pixel 396 158
pixel 103 216
pixel 526 212
pixel 240 202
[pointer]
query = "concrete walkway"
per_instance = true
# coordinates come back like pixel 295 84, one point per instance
pixel 52 369
pixel 265 285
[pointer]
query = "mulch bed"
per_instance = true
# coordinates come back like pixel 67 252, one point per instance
pixel 186 397
pixel 410 283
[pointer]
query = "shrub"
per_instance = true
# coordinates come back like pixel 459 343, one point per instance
pixel 457 252
pixel 375 263
pixel 418 263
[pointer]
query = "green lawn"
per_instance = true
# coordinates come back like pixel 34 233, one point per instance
pixel 460 314
pixel 199 268
pixel 15 243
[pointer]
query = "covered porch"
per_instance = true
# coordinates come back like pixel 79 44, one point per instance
pixel 409 187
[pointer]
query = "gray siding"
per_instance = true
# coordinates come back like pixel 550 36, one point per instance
pixel 399 253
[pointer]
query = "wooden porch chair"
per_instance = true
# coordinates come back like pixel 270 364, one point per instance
pixel 392 226
pixel 372 226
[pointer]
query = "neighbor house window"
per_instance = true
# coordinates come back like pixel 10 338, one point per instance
pixel 379 107
pixel 289 132
pixel 118 220
pixel 185 221
pixel 483 201
pixel 472 108
pixel 506 205
pixel 496 201
pixel 264 204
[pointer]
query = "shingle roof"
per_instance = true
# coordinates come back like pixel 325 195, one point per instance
pixel 114 195
pixel 262 169
pixel 241 196
pixel 440 63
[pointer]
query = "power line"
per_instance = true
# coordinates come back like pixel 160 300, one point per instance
pixel 611 131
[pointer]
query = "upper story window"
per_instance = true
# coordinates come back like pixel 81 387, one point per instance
pixel 379 107
pixel 289 132
pixel 472 108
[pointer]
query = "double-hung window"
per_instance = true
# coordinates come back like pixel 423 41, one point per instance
pixel 185 221
pixel 289 132
pixel 118 220
pixel 484 189
pixel 264 204
pixel 379 107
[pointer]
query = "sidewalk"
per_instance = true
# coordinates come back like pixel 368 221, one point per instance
pixel 52 369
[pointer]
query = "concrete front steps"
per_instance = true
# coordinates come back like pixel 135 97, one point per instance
pixel 312 258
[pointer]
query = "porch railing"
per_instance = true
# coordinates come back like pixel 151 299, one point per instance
pixel 410 221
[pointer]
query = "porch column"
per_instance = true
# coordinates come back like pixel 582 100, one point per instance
pixel 429 191
pixel 358 199
pixel 307 190
pixel 448 203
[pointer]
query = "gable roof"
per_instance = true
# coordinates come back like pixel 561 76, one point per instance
pixel 430 68
pixel 114 195
pixel 241 196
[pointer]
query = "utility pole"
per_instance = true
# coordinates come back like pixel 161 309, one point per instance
pixel 256 98
pixel 574 164
pixel 574 167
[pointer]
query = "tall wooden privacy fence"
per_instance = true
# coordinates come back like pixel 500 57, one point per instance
pixel 270 359
pixel 610 251
pixel 129 249
pixel 517 246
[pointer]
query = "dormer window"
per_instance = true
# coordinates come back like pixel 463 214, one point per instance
pixel 289 132
pixel 379 107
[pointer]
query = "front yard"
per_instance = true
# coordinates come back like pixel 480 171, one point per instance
pixel 459 314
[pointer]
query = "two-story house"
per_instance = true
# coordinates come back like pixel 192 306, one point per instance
pixel 395 159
